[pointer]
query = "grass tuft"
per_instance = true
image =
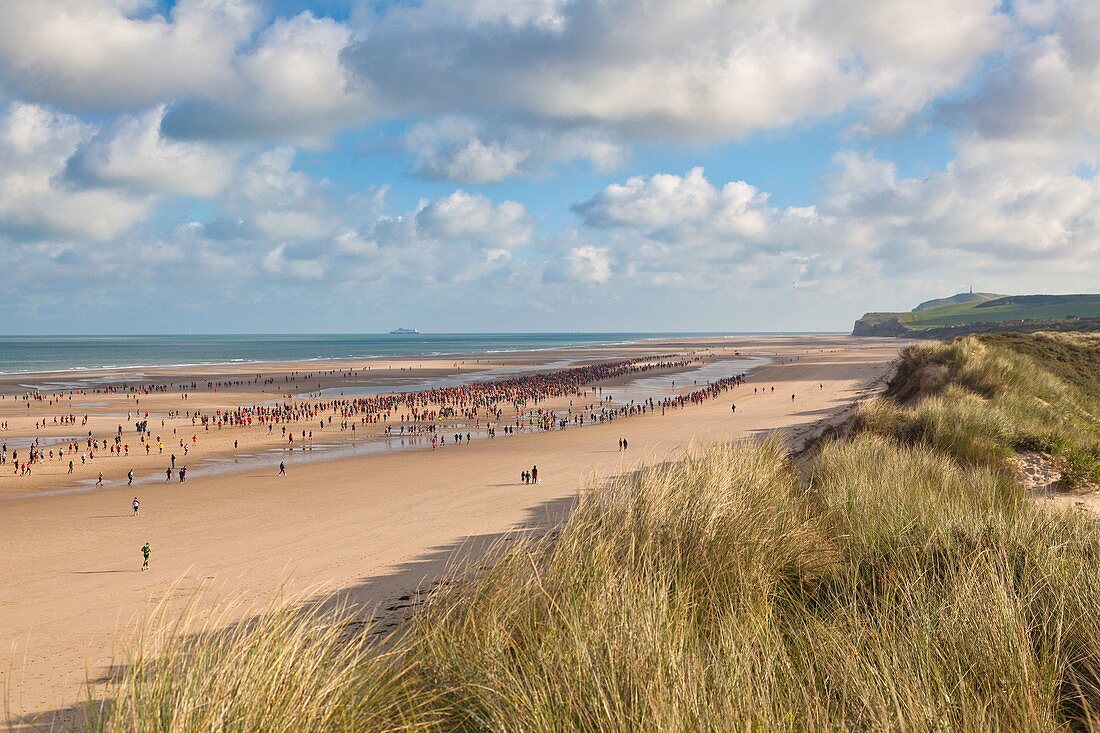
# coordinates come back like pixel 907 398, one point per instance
pixel 906 584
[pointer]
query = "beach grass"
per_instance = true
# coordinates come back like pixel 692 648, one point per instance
pixel 984 399
pixel 905 582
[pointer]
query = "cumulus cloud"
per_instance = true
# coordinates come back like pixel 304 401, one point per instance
pixel 452 149
pixel 102 54
pixel 285 223
pixel 1039 109
pixel 222 74
pixel 979 210
pixel 292 85
pixel 662 69
pixel 589 264
pixel 671 203
pixel 684 232
pixel 459 149
pixel 677 69
pixel 651 202
pixel 35 199
pixel 133 153
pixel 277 263
pixel 281 202
pixel 463 215
pixel 129 112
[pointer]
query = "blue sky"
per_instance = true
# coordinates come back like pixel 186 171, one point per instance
pixel 488 165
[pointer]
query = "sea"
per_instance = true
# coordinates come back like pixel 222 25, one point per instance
pixel 23 354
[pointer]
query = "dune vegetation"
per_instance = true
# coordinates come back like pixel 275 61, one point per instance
pixel 902 580
pixel 983 399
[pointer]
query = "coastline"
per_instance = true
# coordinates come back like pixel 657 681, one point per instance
pixel 373 525
pixel 619 339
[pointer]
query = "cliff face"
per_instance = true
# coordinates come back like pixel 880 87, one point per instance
pixel 890 327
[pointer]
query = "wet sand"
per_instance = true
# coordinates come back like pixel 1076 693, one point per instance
pixel 373 524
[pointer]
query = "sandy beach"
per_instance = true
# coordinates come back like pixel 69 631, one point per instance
pixel 372 518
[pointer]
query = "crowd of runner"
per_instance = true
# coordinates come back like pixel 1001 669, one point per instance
pixel 423 412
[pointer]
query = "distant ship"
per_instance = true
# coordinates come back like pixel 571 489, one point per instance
pixel 404 330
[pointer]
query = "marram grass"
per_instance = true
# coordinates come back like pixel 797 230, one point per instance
pixel 906 584
pixel 897 590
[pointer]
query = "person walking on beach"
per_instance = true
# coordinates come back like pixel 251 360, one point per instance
pixel 137 505
pixel 625 444
pixel 130 477
pixel 145 550
pixel 282 468
pixel 70 466
pixel 183 474
pixel 534 474
pixel 99 481
pixel 167 475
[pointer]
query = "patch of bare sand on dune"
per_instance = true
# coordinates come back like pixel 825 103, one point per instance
pixel 1039 474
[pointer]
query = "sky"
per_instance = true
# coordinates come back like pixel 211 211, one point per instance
pixel 274 166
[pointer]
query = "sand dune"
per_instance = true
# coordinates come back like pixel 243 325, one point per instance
pixel 375 526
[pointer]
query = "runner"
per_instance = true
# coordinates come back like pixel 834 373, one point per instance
pixel 130 477
pixel 145 550
pixel 136 505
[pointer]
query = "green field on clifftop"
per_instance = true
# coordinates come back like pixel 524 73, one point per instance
pixel 1006 308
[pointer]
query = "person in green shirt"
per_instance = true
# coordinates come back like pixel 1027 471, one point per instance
pixel 145 554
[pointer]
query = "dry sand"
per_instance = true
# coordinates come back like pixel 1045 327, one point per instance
pixel 376 526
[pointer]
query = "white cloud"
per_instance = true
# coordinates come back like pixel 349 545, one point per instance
pixel 670 202
pixel 479 162
pixel 679 69
pixel 460 149
pixel 578 73
pixel 133 153
pixel 115 53
pixel 589 264
pixel 981 210
pixel 1041 109
pixel 35 199
pixel 977 217
pixel 291 86
pixel 463 215
pixel 281 202
pixel 652 202
pixel 277 263
pixel 451 149
pixel 201 59
pixel 213 99
pixel 683 232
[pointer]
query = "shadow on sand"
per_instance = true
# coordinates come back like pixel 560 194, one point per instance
pixel 380 604
pixel 376 605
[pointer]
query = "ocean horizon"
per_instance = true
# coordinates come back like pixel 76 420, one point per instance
pixel 31 354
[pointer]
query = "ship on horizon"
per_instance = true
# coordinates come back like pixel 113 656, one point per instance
pixel 402 331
